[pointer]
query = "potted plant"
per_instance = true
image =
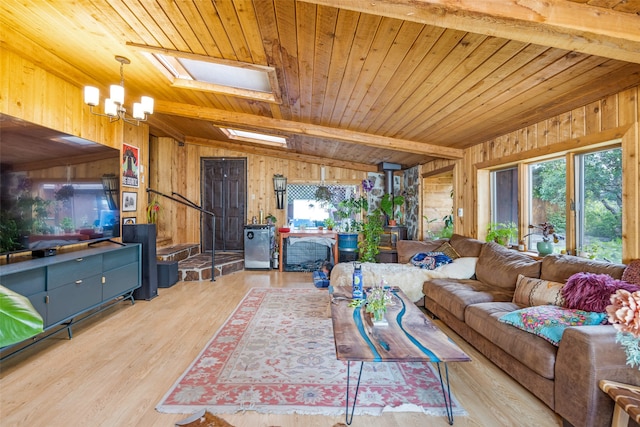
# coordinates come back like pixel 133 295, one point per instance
pixel 348 210
pixel 447 231
pixel 501 232
pixel 66 224
pixel 390 205
pixel 329 223
pixel 271 219
pixel 324 196
pixel 64 193
pixel 549 237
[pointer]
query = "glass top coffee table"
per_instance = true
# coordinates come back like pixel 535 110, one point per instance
pixel 409 336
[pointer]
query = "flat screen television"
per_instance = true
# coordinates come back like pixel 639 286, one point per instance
pixel 55 189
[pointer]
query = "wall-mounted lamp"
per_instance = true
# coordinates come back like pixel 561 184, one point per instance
pixel 280 187
pixel 110 185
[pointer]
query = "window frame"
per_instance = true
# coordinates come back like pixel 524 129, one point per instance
pixel 484 213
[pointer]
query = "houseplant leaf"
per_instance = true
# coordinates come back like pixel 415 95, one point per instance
pixel 18 319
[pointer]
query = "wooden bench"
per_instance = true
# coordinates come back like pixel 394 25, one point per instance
pixel 627 399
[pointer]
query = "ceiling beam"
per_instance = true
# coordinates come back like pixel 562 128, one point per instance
pixel 156 123
pixel 250 121
pixel 555 23
pixel 279 153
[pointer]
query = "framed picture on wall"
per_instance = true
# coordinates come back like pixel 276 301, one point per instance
pixel 130 166
pixel 129 201
pixel 129 220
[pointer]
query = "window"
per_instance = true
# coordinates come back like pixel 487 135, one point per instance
pixel 261 138
pixel 585 184
pixel 504 196
pixel 197 72
pixel 598 204
pixel 304 210
pixel 547 187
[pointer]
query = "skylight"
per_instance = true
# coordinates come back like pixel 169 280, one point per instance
pixel 227 75
pixel 220 76
pixel 74 140
pixel 244 135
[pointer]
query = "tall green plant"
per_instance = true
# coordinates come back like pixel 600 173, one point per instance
pixel 349 208
pixel 391 205
pixel 372 229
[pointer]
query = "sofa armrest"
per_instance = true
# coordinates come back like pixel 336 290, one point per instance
pixel 586 355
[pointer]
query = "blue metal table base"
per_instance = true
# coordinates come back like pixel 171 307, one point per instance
pixel 444 384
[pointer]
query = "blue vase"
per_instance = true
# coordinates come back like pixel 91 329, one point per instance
pixel 545 248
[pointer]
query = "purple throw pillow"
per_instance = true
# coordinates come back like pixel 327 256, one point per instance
pixel 592 292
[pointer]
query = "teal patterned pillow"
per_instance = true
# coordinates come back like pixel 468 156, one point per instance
pixel 550 321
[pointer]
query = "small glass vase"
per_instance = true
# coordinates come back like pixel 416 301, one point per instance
pixel 378 317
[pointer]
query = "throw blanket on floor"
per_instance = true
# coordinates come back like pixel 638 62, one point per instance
pixel 406 276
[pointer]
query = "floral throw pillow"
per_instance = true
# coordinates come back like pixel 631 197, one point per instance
pixel 430 260
pixel 550 321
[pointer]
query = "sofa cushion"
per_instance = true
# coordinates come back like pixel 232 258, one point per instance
pixel 559 267
pixel 532 351
pixel 550 321
pixel 530 292
pixel 466 246
pixel 631 274
pixel 408 248
pixel 499 266
pixel 455 295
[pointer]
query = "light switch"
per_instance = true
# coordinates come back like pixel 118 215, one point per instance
pixel 460 212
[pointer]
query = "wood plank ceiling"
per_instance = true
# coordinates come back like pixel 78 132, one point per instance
pixel 361 82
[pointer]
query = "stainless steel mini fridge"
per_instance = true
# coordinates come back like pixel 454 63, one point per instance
pixel 259 240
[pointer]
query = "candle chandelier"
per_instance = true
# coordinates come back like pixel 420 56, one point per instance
pixel 113 106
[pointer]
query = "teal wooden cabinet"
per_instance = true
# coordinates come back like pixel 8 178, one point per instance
pixel 65 287
pixel 120 270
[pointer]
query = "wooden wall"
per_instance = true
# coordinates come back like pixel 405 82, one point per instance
pixel 176 168
pixel 616 116
pixel 35 95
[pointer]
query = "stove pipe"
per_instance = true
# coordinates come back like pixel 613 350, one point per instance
pixel 388 169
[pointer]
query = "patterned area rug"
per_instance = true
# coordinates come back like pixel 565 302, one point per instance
pixel 275 354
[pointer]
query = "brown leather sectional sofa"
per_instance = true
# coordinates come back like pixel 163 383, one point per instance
pixel 563 377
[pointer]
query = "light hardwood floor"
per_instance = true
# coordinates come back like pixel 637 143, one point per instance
pixel 121 362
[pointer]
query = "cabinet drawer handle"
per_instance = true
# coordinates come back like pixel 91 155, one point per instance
pixel 79 259
pixel 78 282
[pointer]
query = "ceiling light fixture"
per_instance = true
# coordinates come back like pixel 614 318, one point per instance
pixel 113 106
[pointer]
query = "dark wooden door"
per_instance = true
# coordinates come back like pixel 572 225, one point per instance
pixel 224 192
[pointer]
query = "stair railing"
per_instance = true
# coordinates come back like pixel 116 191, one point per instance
pixel 183 200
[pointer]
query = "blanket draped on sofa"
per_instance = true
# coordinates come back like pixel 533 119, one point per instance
pixel 405 276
